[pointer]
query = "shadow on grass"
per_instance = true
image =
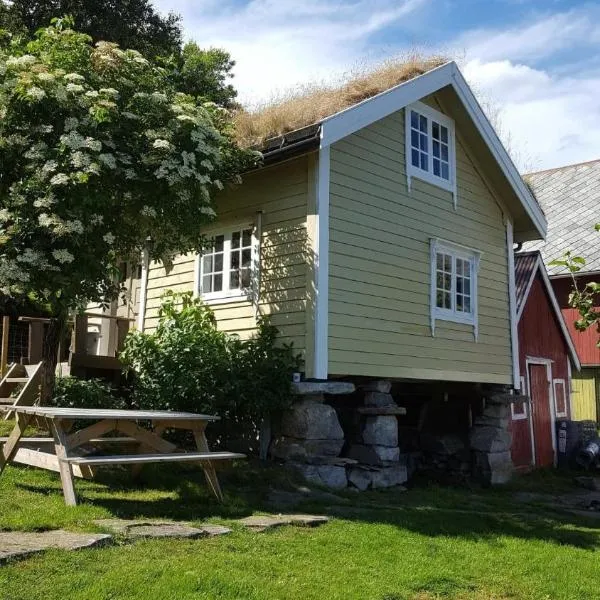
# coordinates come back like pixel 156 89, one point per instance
pixel 477 514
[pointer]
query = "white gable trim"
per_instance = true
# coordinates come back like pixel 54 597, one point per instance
pixel 539 266
pixel 354 118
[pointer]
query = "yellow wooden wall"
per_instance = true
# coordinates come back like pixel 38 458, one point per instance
pixel 584 393
pixel 281 194
pixel 379 297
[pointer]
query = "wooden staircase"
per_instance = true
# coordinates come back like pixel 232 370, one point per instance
pixel 25 381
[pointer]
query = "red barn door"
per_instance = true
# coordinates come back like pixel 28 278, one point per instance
pixel 543 422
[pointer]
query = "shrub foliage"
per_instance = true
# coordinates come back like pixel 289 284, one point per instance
pixel 187 364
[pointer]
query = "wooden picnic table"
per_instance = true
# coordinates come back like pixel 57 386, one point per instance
pixel 68 436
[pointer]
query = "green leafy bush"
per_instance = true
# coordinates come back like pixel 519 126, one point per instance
pixel 72 392
pixel 187 364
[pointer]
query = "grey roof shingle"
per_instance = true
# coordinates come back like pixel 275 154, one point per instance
pixel 570 199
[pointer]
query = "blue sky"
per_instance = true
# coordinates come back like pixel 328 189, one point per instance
pixel 534 63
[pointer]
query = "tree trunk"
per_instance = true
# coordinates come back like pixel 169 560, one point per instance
pixel 54 334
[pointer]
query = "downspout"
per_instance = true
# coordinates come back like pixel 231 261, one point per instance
pixel 512 299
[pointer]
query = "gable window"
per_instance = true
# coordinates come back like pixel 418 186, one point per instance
pixel 430 146
pixel 560 398
pixel 228 265
pixel 453 283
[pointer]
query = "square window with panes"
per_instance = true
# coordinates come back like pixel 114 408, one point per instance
pixel 227 266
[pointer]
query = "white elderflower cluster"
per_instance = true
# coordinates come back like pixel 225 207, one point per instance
pixel 63 256
pixel 49 167
pixel 74 77
pixel 32 257
pixel 109 92
pixel 36 93
pixel 108 160
pixel 159 97
pixel 45 76
pixel 93 144
pixel 59 179
pixel 207 210
pixel 45 202
pixel 5 215
pixel 21 62
pixel 74 88
pixel 161 144
pixel 148 211
pixel 96 219
pixel 109 238
pixel 207 165
pixel 71 123
pixel 80 159
pixel 72 140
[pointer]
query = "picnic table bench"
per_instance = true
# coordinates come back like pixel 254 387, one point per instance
pixel 68 436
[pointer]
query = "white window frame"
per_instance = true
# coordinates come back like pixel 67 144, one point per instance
pixel 451 314
pixel 519 416
pixel 226 294
pixel 427 175
pixel 564 387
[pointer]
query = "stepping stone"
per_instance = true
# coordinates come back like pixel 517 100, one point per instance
pixel 19 544
pixel 263 522
pixel 136 529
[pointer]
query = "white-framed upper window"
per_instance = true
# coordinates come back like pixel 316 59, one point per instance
pixel 518 410
pixel 454 271
pixel 430 147
pixel 560 397
pixel 228 267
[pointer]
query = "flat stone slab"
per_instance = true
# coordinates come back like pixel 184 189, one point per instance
pixel 136 529
pixel 304 388
pixel 19 544
pixel 264 522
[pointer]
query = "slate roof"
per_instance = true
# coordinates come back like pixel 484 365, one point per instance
pixel 525 264
pixel 570 199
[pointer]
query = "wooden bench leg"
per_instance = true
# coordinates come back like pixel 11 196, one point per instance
pixel 66 471
pixel 209 469
pixel 12 443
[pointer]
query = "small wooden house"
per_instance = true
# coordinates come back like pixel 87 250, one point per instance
pixel 570 197
pixel 547 359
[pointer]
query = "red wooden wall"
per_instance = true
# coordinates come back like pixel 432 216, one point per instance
pixel 540 336
pixel 585 341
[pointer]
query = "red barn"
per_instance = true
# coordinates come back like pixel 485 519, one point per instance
pixel 546 357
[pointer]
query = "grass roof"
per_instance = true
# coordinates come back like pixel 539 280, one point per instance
pixel 311 103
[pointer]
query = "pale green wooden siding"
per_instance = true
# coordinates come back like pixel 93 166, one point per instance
pixel 281 193
pixel 379 272
pixel 584 394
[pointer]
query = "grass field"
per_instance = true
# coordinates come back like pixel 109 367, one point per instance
pixel 424 544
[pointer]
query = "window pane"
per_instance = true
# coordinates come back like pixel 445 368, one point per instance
pixel 445 172
pixel 445 152
pixel 414 138
pixel 207 283
pixel 235 239
pixel 424 162
pixel 414 119
pixel 422 123
pixel 436 149
pixel 467 304
pixel 234 280
pixel 219 241
pixel 435 130
pixel 235 260
pixel 447 262
pixel 218 262
pixel 423 143
pixel 246 258
pixel 415 158
pixel 459 303
pixel 436 167
pixel 444 134
pixel 218 283
pixel 440 261
pixel 246 279
pixel 247 237
pixel 207 262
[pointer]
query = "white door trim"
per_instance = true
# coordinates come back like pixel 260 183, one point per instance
pixel 533 360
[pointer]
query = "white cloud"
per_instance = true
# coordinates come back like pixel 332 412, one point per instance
pixel 540 72
pixel 282 43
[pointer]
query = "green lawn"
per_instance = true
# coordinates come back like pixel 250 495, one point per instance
pixel 425 544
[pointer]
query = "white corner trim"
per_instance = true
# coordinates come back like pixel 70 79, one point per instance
pixel 512 301
pixel 143 290
pixel 321 250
